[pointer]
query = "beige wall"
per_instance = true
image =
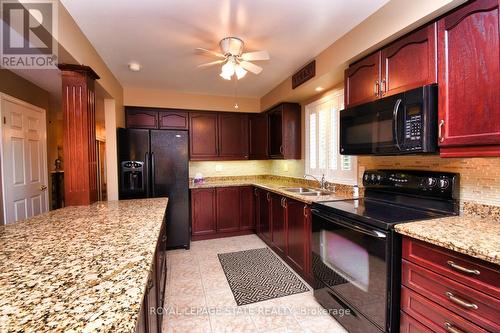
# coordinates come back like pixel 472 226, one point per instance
pixel 393 20
pixel 174 99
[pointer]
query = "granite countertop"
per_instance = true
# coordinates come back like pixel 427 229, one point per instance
pixel 78 269
pixel 277 186
pixel 475 236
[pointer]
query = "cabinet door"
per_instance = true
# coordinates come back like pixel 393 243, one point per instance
pixel 298 234
pixel 409 62
pixel 362 81
pixel 410 325
pixel 278 223
pixel 469 80
pixel 228 209
pixel 264 215
pixel 141 118
pixel 152 296
pixel 203 136
pixel 233 136
pixel 177 120
pixel 276 132
pixel 258 132
pixel 247 221
pixel 291 131
pixel 203 211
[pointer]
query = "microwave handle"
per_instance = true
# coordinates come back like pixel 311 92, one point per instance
pixel 395 122
pixel 366 231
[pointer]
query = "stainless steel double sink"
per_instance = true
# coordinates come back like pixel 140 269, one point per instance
pixel 310 192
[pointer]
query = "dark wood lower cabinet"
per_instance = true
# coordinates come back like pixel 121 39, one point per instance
pixel 228 209
pixel 247 216
pixel 298 235
pixel 262 213
pixel 203 211
pixel 278 223
pixel 150 317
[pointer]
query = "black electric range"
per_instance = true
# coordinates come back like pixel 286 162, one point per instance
pixel 356 254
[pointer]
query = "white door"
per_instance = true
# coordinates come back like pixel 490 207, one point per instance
pixel 24 159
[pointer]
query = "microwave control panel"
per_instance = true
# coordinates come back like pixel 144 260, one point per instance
pixel 413 128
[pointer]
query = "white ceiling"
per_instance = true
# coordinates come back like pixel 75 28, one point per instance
pixel 162 36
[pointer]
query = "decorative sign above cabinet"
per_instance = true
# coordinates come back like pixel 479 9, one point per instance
pixel 304 74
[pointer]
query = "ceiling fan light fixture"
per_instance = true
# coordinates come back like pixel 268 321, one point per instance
pixel 240 72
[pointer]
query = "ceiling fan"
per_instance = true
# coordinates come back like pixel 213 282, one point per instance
pixel 235 61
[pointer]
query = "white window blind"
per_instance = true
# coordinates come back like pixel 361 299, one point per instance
pixel 322 141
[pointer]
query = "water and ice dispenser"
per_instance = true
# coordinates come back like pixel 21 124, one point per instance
pixel 132 176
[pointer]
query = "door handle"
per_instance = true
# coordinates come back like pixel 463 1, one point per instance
pixel 153 174
pixel 43 187
pixel 383 87
pixel 440 130
pixel 395 122
pixel 376 88
pixel 146 174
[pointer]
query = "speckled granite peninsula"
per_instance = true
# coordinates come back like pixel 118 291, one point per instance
pixel 78 269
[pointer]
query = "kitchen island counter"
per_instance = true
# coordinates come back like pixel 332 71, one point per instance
pixel 79 269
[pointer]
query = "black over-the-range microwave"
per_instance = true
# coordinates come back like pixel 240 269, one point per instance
pixel 405 123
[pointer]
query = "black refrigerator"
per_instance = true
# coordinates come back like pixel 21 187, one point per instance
pixel 155 163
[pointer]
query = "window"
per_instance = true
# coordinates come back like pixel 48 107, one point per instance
pixel 322 141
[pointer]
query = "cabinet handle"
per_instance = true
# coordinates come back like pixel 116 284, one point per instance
pixel 268 196
pixel 255 192
pixel 462 269
pixel 461 302
pixel 284 202
pixel 150 283
pixel 440 130
pixel 305 211
pixel 452 329
pixel 376 88
pixel 383 87
pixel 281 150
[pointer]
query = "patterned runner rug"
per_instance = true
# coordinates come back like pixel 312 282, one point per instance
pixel 258 275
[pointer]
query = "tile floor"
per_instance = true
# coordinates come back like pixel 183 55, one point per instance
pixel 199 298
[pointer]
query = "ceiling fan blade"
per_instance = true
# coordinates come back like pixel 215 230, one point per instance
pixel 251 67
pixel 208 64
pixel 255 56
pixel 217 54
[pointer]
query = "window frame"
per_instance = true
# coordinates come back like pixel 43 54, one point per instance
pixel 337 175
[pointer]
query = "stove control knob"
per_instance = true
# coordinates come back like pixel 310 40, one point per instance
pixel 373 177
pixel 431 182
pixel 379 178
pixel 443 183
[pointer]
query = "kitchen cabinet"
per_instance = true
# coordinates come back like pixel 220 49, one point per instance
pixel 203 136
pixel 362 81
pixel 409 62
pixel 247 219
pixel 138 117
pixel 262 212
pixel 203 211
pixel 469 80
pixel 174 120
pixel 278 231
pixel 228 209
pixel 233 136
pixel 440 286
pixel 258 136
pixel 298 235
pixel 284 131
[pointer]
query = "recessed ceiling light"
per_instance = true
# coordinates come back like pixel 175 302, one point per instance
pixel 134 66
pixel 319 89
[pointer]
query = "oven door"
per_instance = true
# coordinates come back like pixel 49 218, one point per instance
pixel 373 128
pixel 353 261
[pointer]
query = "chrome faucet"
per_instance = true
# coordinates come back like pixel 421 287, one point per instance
pixel 322 182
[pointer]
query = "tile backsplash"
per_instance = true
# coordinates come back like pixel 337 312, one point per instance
pixel 288 168
pixel 479 177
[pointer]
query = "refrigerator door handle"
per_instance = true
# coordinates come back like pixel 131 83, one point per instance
pixel 145 178
pixel 153 174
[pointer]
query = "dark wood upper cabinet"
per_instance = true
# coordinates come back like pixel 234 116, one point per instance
pixel 203 136
pixel 177 120
pixel 409 62
pixel 247 199
pixel 258 136
pixel 203 211
pixel 228 209
pixel 362 81
pixel 298 232
pixel 137 117
pixel 233 135
pixel 278 228
pixel 284 131
pixel 469 80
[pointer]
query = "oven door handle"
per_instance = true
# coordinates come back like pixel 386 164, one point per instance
pixel 395 122
pixel 366 231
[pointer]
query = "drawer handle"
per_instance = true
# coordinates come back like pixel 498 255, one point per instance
pixel 452 329
pixel 462 269
pixel 461 302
